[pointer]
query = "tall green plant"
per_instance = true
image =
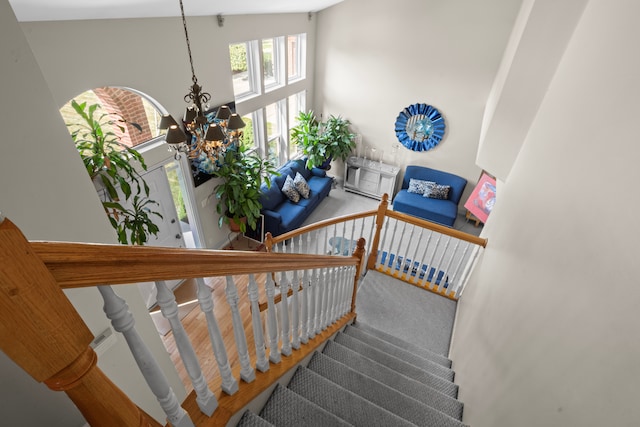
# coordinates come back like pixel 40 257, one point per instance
pixel 238 193
pixel 321 141
pixel 109 161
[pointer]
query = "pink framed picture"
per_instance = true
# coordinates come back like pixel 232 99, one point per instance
pixel 483 197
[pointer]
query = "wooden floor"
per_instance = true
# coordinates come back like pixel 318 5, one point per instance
pixel 196 327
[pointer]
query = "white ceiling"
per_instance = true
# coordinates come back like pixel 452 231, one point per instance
pixel 55 10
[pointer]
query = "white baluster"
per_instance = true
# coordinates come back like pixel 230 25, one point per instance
pixel 417 278
pixel 122 320
pixel 430 264
pixel 304 311
pixel 258 337
pixel 337 294
pixel 331 289
pixel 414 259
pixel 272 323
pixel 405 255
pixel 207 402
pixel 246 371
pixel 383 245
pixel 439 264
pixel 285 327
pixel 335 235
pixel 445 274
pixel 352 241
pixel 295 311
pixel 454 276
pixel 391 265
pixel 326 240
pixel 314 328
pixel 459 289
pixel 349 275
pixel 301 249
pixel 229 384
pixel 325 287
pixel 337 291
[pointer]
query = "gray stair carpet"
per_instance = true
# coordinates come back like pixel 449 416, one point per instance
pixel 427 354
pixel 396 350
pixel 345 404
pixel 249 419
pixel 289 409
pixel 407 369
pixel 406 311
pixel 374 353
pixel 395 380
pixel 380 394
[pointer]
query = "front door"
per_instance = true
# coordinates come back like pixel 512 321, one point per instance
pixel 170 232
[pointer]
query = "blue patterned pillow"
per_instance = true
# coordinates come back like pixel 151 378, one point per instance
pixel 301 185
pixel 289 190
pixel 437 191
pixel 418 186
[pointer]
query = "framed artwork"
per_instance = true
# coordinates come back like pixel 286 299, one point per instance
pixel 202 167
pixel 483 197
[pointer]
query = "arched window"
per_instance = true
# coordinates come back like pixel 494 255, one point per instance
pixel 128 104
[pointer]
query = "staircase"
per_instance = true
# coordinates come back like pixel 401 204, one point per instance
pixel 367 377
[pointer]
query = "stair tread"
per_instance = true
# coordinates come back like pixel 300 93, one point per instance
pixel 433 367
pixel 417 361
pixel 399 342
pixel 392 362
pixel 288 408
pixel 250 419
pixel 342 402
pixel 395 379
pixel 380 394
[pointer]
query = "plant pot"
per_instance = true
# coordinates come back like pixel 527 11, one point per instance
pixel 235 226
pixel 326 165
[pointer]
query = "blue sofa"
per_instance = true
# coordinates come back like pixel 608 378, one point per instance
pixel 282 215
pixel 436 210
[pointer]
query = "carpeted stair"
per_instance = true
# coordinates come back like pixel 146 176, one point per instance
pixel 365 377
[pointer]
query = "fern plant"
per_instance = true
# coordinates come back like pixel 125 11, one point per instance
pixel 109 162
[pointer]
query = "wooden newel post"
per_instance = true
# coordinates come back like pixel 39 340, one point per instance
pixel 41 332
pixel 382 209
pixel 268 242
pixel 358 252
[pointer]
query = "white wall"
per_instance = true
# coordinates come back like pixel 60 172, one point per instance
pixel 374 58
pixel 150 55
pixel 45 191
pixel 527 67
pixel 547 331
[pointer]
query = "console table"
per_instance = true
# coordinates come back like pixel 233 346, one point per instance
pixel 370 178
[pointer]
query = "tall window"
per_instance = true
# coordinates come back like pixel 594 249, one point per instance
pixel 272 63
pixel 296 104
pixel 296 57
pixel 245 68
pixel 263 70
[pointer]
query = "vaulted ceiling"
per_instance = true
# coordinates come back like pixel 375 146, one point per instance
pixel 56 10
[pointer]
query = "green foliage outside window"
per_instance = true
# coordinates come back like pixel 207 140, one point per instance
pixel 238 54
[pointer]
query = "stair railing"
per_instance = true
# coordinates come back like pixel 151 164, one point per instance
pixel 422 253
pixel 37 318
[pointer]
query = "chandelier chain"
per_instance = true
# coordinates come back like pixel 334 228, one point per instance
pixel 186 34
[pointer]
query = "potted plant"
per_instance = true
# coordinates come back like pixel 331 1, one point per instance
pixel 323 141
pixel 238 193
pixel 110 164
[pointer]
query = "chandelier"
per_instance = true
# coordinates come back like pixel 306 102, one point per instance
pixel 211 135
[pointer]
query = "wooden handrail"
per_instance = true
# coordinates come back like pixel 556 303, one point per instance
pixel 321 224
pixel 42 333
pixel 75 265
pixel 438 228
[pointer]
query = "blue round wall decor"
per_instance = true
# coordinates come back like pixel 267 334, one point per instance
pixel 420 127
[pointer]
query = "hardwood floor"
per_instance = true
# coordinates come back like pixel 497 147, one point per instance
pixel 196 326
